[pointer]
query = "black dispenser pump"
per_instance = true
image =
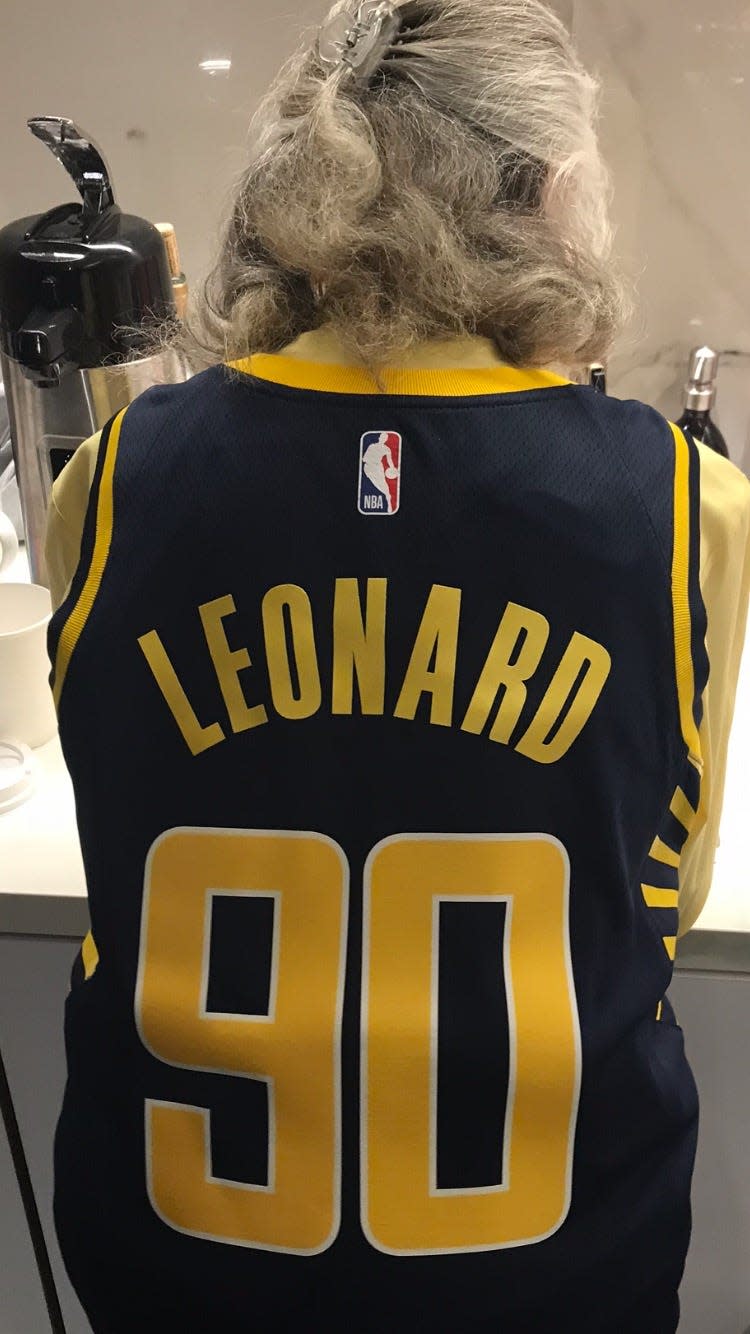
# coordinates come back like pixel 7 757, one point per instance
pixel 80 284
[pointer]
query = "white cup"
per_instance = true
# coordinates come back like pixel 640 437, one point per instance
pixel 27 709
pixel 8 542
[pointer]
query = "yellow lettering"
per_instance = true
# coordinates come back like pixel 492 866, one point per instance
pixel 229 664
pixel 359 649
pixel 438 634
pixel 579 650
pixel 359 643
pixel 497 671
pixel 198 738
pixel 286 703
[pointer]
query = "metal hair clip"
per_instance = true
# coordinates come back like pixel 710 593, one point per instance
pixel 359 38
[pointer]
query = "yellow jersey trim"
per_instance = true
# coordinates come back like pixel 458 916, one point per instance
pixel 438 382
pixel 89 956
pixel 681 809
pixel 661 852
pixel 681 598
pixel 660 898
pixel 73 628
pixel 679 806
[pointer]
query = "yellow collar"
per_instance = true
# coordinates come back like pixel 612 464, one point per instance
pixel 434 381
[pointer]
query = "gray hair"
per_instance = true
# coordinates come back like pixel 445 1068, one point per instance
pixel 462 191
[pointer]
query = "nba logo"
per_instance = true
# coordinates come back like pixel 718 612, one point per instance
pixel 379 490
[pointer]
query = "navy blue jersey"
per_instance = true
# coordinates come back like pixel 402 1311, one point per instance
pixel 382 715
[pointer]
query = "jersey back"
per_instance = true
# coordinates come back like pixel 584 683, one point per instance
pixel 382 717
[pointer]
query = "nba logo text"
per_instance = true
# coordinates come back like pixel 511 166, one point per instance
pixel 379 487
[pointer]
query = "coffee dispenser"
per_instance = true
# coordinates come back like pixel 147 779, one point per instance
pixel 82 288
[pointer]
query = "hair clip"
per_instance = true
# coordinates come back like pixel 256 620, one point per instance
pixel 359 38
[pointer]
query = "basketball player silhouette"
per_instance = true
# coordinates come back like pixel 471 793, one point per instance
pixel 372 462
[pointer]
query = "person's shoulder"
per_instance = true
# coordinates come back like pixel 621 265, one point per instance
pixel 166 418
pixel 174 397
pixel 722 480
pixel 624 418
pixel 725 501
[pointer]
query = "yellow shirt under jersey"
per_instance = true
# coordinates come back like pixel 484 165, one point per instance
pixel 724 578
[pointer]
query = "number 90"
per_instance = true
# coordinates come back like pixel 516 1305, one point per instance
pixel 296 1047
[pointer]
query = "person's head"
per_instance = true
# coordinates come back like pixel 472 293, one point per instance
pixel 459 191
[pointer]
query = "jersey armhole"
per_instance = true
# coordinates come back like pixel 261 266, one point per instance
pixel 689 614
pixel 71 617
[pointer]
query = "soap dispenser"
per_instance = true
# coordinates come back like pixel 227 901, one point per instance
pixel 700 396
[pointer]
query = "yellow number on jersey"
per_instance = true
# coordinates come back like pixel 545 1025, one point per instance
pixel 296 1048
pixel 406 876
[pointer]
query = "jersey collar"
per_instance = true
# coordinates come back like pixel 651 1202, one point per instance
pixel 438 382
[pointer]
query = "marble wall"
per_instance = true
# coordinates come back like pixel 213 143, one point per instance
pixel 675 112
pixel 674 128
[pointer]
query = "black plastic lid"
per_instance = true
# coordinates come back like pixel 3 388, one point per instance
pixel 80 284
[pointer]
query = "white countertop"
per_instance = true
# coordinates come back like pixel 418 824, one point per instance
pixel 43 886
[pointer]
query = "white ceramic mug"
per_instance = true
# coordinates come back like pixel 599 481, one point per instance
pixel 27 709
pixel 8 542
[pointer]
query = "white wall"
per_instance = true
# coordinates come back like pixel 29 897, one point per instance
pixel 129 74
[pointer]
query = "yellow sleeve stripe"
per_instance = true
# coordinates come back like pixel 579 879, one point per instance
pixel 658 1010
pixel 681 809
pixel 660 898
pixel 681 597
pixel 89 956
pixel 656 896
pixel 661 853
pixel 72 630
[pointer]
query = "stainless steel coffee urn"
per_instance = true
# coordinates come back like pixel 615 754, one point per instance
pixel 81 288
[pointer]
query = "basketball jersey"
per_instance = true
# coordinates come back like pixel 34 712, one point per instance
pixel 382 715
